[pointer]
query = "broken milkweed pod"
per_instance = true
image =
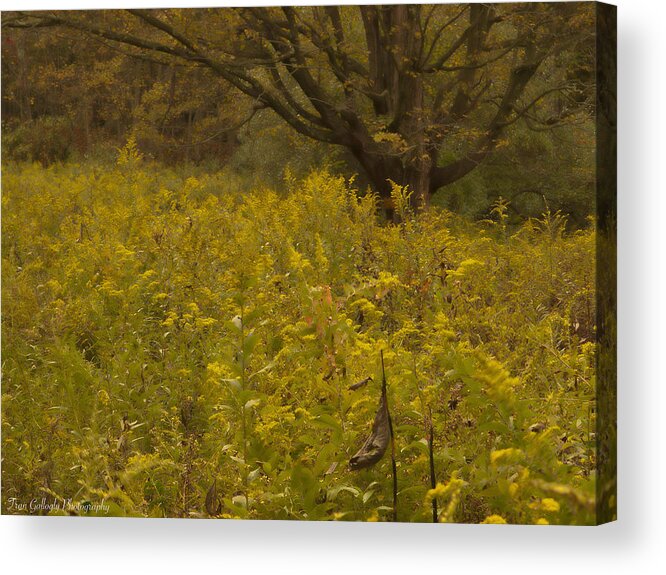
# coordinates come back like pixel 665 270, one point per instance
pixel 360 384
pixel 375 446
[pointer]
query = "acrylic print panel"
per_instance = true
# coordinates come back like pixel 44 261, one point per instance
pixel 314 263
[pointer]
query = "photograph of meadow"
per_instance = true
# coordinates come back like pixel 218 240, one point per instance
pixel 350 263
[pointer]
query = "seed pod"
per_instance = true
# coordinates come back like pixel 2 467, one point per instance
pixel 375 446
pixel 213 506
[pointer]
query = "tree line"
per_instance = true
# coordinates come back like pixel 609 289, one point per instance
pixel 419 95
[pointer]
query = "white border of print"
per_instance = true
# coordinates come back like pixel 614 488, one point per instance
pixel 635 543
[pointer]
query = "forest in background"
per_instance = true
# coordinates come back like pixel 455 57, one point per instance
pixel 508 89
pixel 223 230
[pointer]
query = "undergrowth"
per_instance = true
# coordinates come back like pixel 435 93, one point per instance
pixel 174 348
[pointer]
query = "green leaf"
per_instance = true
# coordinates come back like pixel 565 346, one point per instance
pixel 333 492
pixel 250 343
pixel 327 421
pixel 252 403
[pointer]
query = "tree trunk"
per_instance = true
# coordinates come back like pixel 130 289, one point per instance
pixel 415 172
pixel 417 178
pixel 394 52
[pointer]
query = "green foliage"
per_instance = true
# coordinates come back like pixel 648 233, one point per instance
pixel 535 171
pixel 46 140
pixel 269 153
pixel 65 95
pixel 174 348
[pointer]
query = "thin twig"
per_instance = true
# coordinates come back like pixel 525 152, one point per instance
pixel 394 468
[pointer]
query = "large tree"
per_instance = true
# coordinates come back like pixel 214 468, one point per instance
pixel 419 94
